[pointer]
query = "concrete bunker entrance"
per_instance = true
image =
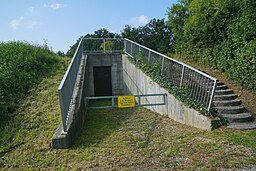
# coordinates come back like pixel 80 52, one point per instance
pixel 108 82
pixel 126 79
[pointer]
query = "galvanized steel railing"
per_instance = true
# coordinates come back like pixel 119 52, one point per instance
pixel 138 100
pixel 201 86
pixel 103 45
pixel 67 85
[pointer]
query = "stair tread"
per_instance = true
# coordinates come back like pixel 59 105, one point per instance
pixel 226 101
pixel 239 115
pixel 229 107
pixel 225 95
pixel 242 126
pixel 223 90
pixel 223 85
pixel 220 83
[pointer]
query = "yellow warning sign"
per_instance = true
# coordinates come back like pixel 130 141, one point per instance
pixel 126 101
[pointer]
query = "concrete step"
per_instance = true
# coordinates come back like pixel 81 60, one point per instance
pixel 235 102
pixel 221 87
pixel 242 126
pixel 219 83
pixel 225 97
pixel 238 118
pixel 230 109
pixel 223 92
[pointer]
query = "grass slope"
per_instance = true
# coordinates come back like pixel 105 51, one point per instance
pixel 117 139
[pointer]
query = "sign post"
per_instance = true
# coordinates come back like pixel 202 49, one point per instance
pixel 126 101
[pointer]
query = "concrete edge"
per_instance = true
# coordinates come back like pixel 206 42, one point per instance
pixel 77 114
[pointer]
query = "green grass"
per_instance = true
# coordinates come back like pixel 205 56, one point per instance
pixel 116 139
pixel 33 112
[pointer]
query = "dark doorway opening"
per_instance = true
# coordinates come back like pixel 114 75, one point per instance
pixel 102 81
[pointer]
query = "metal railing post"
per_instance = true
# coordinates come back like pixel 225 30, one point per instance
pixel 131 49
pixel 149 57
pixel 113 102
pixel 125 46
pixel 104 45
pixel 212 95
pixel 162 67
pixel 182 75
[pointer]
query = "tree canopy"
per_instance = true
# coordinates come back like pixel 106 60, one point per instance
pixel 155 35
pixel 220 33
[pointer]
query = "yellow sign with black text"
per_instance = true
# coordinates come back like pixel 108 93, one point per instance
pixel 126 101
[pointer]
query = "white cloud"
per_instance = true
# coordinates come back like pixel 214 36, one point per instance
pixel 25 21
pixel 21 22
pixel 138 21
pixel 17 23
pixel 55 6
pixel 34 24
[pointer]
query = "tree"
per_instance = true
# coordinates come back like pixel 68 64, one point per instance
pixel 131 33
pixel 107 46
pixel 62 54
pixel 219 33
pixel 177 16
pixel 155 35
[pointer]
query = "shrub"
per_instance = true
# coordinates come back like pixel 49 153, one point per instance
pixel 21 66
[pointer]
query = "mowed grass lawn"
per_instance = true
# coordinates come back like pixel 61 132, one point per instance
pixel 118 139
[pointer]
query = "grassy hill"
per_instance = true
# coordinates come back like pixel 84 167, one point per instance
pixel 24 68
pixel 114 139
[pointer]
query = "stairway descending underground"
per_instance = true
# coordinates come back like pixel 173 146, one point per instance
pixel 227 104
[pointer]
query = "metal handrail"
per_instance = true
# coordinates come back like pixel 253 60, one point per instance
pixel 198 88
pixel 96 43
pixel 167 57
pixel 139 103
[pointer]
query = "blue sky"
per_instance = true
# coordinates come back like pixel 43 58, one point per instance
pixel 60 23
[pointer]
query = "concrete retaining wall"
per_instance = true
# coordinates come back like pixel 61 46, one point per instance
pixel 78 110
pixel 84 88
pixel 137 82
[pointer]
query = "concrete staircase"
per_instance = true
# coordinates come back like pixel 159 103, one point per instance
pixel 230 107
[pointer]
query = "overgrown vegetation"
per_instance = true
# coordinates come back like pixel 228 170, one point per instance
pixel 22 67
pixel 221 34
